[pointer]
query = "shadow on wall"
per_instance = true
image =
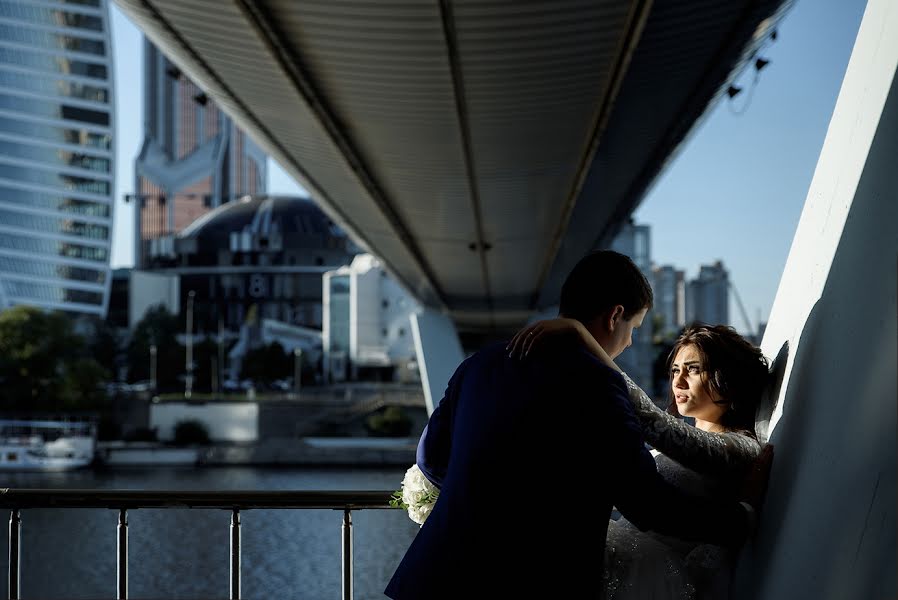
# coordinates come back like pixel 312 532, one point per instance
pixel 771 395
pixel 827 530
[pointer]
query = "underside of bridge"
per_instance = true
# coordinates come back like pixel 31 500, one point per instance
pixel 478 148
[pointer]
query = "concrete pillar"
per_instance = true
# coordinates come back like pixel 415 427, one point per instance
pixel 828 526
pixel 438 350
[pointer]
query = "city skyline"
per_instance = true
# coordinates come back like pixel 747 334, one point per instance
pixel 736 187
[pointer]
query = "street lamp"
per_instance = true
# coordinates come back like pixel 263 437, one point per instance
pixel 188 379
pixel 153 368
pixel 297 370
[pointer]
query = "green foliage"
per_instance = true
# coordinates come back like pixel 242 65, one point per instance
pixel 266 364
pixel 205 351
pixel 45 365
pixel 391 422
pixel 396 500
pixel 102 341
pixel 158 327
pixel 191 432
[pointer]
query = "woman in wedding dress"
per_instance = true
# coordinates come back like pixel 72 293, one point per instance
pixel 717 378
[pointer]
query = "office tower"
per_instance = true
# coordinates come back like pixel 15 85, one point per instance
pixel 670 299
pixel 635 241
pixel 193 159
pixel 56 155
pixel 708 296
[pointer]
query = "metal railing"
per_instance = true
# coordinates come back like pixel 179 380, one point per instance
pixel 17 500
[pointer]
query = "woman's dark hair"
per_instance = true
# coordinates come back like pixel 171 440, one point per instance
pixel 602 280
pixel 737 370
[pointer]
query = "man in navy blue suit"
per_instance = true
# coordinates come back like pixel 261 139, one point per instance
pixel 531 456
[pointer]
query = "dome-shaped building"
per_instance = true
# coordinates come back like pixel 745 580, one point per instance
pixel 265 251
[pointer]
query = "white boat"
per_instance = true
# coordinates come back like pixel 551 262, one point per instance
pixel 27 445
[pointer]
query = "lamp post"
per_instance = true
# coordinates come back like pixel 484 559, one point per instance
pixel 221 362
pixel 188 379
pixel 297 371
pixel 153 368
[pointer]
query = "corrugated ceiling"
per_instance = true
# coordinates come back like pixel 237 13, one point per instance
pixel 478 148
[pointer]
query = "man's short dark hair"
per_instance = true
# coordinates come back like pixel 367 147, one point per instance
pixel 599 282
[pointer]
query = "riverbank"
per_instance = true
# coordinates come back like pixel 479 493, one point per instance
pixel 306 451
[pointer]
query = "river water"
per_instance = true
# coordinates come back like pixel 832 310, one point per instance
pixel 183 553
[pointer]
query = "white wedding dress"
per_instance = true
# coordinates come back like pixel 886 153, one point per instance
pixel 648 566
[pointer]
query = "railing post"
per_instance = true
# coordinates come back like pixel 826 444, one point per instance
pixel 235 554
pixel 122 561
pixel 347 554
pixel 15 552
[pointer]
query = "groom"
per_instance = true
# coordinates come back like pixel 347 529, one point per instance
pixel 530 456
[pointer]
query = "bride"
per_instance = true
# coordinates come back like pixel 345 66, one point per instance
pixel 717 378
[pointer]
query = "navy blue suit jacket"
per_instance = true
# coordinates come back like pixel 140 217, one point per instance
pixel 530 456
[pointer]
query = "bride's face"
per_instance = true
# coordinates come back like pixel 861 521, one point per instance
pixel 694 397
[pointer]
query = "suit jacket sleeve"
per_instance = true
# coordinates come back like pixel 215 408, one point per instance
pixel 435 443
pixel 649 502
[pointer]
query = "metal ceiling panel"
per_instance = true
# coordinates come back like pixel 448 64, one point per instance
pixel 477 147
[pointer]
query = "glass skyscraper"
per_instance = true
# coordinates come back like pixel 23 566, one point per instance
pixel 635 241
pixel 56 155
pixel 708 296
pixel 193 159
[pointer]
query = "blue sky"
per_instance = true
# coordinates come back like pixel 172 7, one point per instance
pixel 733 192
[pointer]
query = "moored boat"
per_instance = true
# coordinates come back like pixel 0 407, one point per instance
pixel 45 445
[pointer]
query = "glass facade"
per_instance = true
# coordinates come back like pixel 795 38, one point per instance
pixel 185 130
pixel 56 154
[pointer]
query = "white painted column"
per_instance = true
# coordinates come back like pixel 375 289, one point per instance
pixel 438 350
pixel 828 526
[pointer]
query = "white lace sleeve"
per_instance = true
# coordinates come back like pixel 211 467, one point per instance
pixel 701 451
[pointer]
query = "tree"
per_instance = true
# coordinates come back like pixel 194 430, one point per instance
pixel 204 352
pixel 191 432
pixel 102 342
pixel 390 422
pixel 157 327
pixel 266 364
pixel 45 365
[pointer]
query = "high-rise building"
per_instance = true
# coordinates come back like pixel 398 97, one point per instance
pixel 635 241
pixel 670 299
pixel 708 296
pixel 193 159
pixel 56 155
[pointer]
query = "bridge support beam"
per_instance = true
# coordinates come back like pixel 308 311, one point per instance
pixel 438 350
pixel 827 530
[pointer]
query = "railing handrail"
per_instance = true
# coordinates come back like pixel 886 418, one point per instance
pixel 22 498
pixel 122 500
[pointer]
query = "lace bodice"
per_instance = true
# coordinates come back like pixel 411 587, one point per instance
pixel 642 564
pixel 705 452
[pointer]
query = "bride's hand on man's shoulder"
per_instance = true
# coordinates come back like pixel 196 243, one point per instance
pixel 537 334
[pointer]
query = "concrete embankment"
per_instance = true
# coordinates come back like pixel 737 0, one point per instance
pixel 315 451
pixel 309 451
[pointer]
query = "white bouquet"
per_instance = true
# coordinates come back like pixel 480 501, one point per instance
pixel 417 495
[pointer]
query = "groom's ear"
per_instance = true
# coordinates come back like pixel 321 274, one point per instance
pixel 615 316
